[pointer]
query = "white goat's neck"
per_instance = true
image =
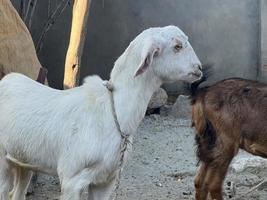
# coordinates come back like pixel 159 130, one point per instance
pixel 131 94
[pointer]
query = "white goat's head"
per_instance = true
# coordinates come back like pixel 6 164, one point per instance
pixel 166 52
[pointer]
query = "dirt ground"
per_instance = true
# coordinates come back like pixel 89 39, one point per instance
pixel 162 166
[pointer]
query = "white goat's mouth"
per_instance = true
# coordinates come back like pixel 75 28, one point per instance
pixel 195 76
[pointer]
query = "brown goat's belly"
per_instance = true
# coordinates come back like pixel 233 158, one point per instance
pixel 254 147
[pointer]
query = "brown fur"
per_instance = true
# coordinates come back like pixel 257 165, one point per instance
pixel 229 115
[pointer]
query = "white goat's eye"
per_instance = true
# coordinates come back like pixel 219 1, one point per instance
pixel 178 47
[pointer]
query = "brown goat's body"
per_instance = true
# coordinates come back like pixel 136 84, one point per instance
pixel 229 115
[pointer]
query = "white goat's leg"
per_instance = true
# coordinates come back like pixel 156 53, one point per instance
pixel 5 178
pixel 71 188
pixel 23 177
pixel 33 183
pixel 101 192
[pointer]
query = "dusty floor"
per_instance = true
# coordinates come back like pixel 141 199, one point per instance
pixel 162 166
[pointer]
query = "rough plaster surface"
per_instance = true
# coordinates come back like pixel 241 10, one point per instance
pixel 222 32
pixel 263 43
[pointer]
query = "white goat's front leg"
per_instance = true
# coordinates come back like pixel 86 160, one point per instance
pixel 22 177
pixel 5 178
pixel 101 192
pixel 71 187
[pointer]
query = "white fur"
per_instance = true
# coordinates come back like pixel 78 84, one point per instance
pixel 72 133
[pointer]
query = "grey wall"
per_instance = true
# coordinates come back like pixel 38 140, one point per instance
pixel 225 33
pixel 263 40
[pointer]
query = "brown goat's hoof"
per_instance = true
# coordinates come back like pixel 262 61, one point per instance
pixel 230 190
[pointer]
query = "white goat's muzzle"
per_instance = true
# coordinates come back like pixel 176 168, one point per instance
pixel 197 73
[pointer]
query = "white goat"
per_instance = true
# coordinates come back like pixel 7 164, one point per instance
pixel 73 133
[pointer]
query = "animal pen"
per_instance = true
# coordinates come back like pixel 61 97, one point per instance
pixel 81 129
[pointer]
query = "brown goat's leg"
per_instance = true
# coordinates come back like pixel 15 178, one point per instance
pixel 214 182
pixel 201 193
pixel 215 178
pixel 258 150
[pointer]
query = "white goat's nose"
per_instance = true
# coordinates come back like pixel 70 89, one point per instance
pixel 197 66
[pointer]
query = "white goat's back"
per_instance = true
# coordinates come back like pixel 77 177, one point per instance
pixel 47 118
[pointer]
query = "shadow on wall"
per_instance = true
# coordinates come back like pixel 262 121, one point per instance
pixel 225 33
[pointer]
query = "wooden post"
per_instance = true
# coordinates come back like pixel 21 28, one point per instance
pixel 77 39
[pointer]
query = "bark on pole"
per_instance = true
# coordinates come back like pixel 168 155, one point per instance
pixel 77 38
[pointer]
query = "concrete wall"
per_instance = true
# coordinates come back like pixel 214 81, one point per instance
pixel 225 33
pixel 222 32
pixel 263 41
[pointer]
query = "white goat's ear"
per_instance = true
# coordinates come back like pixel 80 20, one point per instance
pixel 147 58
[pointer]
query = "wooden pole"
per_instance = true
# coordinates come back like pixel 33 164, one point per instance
pixel 77 39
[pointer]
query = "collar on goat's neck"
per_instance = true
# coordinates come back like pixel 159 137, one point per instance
pixel 131 98
pixel 110 87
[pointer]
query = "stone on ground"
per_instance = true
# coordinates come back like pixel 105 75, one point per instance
pixel 158 99
pixel 181 108
pixel 244 161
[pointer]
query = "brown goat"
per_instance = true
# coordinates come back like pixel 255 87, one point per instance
pixel 228 115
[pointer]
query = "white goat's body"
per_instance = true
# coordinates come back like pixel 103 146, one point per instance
pixel 49 126
pixel 73 133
